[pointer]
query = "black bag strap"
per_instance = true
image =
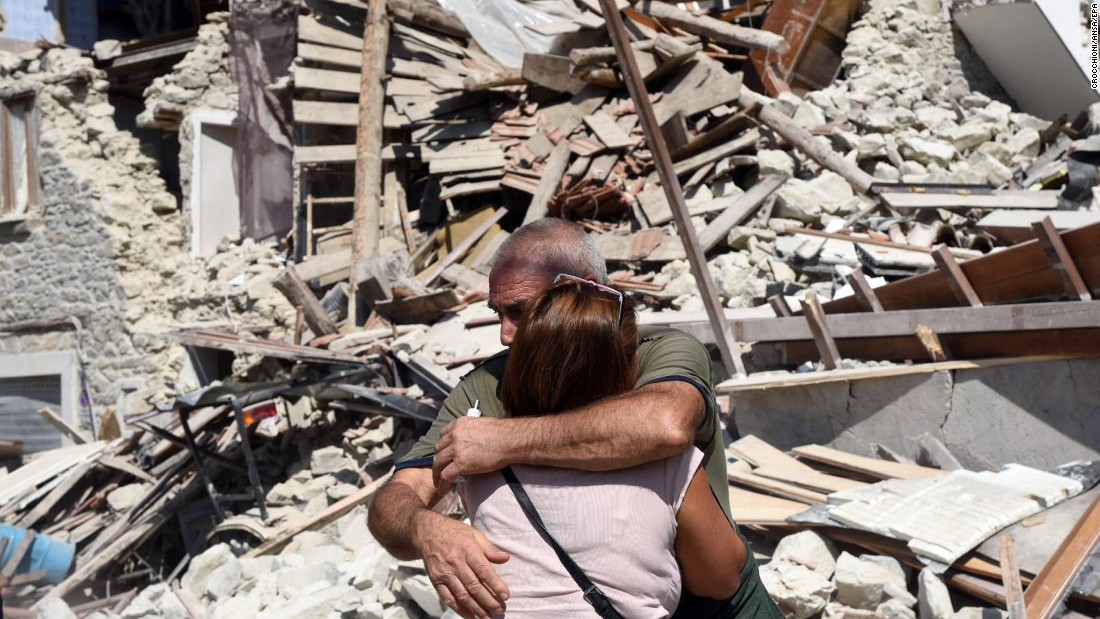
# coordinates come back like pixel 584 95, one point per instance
pixel 592 593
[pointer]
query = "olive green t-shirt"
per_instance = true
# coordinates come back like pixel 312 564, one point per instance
pixel 664 354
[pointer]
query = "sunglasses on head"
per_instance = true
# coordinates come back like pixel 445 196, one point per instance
pixel 609 290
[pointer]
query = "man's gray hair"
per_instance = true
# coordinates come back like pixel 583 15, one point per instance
pixel 551 246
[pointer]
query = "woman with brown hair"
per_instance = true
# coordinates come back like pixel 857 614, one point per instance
pixel 643 534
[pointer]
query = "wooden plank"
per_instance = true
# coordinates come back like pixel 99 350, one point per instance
pixel 747 140
pixel 313 31
pixel 62 426
pixel 955 278
pixel 715 29
pixel 553 72
pixel 760 453
pixel 1010 576
pixel 334 153
pixel 1060 260
pixel 323 265
pixel 753 508
pixel 607 131
pixel 467 243
pixel 1049 587
pixel 308 78
pixel 11 449
pixel 739 211
pixel 326 113
pixel 324 54
pixel 779 305
pixel 483 160
pixel 451 133
pixel 549 183
pixel 1008 199
pixel 298 293
pixel 880 469
pixel 43 508
pixel 815 319
pixel 773 486
pixel 810 479
pixel 864 292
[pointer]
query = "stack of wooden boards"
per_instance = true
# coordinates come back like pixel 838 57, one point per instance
pixel 891 508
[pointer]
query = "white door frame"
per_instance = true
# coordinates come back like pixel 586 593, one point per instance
pixel 222 118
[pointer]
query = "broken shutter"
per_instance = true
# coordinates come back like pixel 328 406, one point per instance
pixel 262 46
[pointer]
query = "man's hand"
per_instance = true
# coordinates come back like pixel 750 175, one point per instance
pixel 468 446
pixel 459 561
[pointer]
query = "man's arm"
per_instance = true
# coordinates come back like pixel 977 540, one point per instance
pixel 458 557
pixel 657 421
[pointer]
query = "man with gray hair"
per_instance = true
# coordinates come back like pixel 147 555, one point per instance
pixel 671 408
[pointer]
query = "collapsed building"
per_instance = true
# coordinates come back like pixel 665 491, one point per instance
pixel 163 283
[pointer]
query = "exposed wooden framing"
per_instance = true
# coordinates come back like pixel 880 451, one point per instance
pixel 863 291
pixel 336 56
pixel 1060 260
pixel 1013 275
pixel 62 426
pixel 308 78
pixel 1051 584
pixel 299 294
pixel 467 243
pixel 549 183
pixel 815 319
pixel 739 211
pixel 804 141
pixel 368 146
pixel 324 113
pixel 747 140
pixel 714 29
pixel 931 343
pixel 1010 576
pixel 779 304
pixel 956 279
pixel 44 506
pixel 313 31
pixel 671 185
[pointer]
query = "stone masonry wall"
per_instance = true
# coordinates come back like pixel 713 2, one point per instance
pixel 201 81
pixel 105 245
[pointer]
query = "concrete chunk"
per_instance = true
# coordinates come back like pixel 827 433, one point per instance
pixel 809 549
pixel 933 599
pixel 799 591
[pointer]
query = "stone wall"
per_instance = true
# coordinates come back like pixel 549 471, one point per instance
pixel 105 245
pixel 201 81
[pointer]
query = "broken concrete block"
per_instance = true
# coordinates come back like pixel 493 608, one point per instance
pixel 1024 142
pixel 328 460
pixel 895 609
pixel 799 591
pixel 420 589
pixel 861 583
pixel 809 549
pixel 53 608
pixel 125 497
pixel 927 151
pixel 235 607
pixel 900 593
pixel 933 598
pixel 317 605
pixel 410 342
pixel 225 579
pixel 970 135
pixel 808 115
pixel 156 601
pixel 775 162
pixel 294 581
pixel 738 237
pixel 203 566
pixel 885 172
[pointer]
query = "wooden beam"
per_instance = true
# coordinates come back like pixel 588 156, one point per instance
pixel 739 211
pixel 336 56
pixel 1047 590
pixel 727 346
pixel 779 304
pixel 864 292
pixel 1016 199
pixel 467 243
pixel 324 113
pixel 1060 260
pixel 311 30
pixel 804 141
pixel 714 29
pixel 298 293
pixel 815 318
pixel 955 278
pixel 62 425
pixel 549 183
pixel 879 469
pixel 724 149
pixel 1010 576
pixel 368 146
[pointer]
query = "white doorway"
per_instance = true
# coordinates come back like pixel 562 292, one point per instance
pixel 215 208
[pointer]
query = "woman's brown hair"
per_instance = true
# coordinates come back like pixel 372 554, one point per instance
pixel 575 345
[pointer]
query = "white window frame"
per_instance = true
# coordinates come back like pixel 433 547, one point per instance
pixel 53 363
pixel 222 118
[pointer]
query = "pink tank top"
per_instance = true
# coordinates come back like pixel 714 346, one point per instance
pixel 619 526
